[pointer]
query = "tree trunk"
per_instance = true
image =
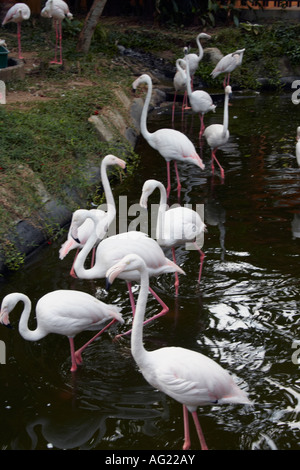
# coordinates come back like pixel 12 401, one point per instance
pixel 89 26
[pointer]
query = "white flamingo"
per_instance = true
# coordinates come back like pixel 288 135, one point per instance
pixel 16 14
pixel 201 102
pixel 218 134
pixel 227 64
pixel 187 376
pixel 63 312
pixel 58 10
pixel 193 58
pixel 113 248
pixel 175 226
pixel 179 82
pixel 170 143
pixel 105 218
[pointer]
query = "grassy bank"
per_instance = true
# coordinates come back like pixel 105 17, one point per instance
pixel 47 142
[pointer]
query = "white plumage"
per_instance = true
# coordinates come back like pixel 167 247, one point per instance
pixel 170 143
pixel 64 312
pixel 227 64
pixel 16 14
pixel 187 376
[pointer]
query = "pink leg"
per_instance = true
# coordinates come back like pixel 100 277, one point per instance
pixel 132 303
pixel 178 180
pixel 77 354
pixel 73 358
pixel 202 126
pixel 214 158
pixel 164 310
pixel 176 274
pixel 169 179
pixel 60 42
pixel 184 105
pixel 173 108
pixel 202 256
pixel 56 40
pixel 19 41
pixel 187 440
pixel 199 431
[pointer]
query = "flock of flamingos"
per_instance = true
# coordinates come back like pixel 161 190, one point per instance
pixel 185 375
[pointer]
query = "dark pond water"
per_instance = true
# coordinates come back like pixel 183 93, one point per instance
pixel 244 314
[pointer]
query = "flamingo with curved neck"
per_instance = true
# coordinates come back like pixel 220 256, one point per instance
pixel 64 312
pixel 187 376
pixel 193 58
pixel 104 218
pixel 201 102
pixel 179 82
pixel 175 226
pixel 113 248
pixel 218 134
pixel 170 143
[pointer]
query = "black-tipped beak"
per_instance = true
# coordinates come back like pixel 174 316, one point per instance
pixel 76 239
pixel 107 284
pixel 133 90
pixel 8 326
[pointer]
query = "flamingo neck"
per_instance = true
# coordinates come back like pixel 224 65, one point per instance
pixel 225 117
pixel 188 78
pixel 111 206
pixel 200 48
pixel 161 212
pixel 137 346
pixel 145 133
pixel 79 268
pixel 25 332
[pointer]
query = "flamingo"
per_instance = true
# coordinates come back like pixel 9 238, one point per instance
pixel 16 14
pixel 218 134
pixel 64 312
pixel 200 101
pixel 105 218
pixel 227 64
pixel 179 82
pixel 58 10
pixel 175 226
pixel 170 143
pixel 185 375
pixel 298 145
pixel 114 248
pixel 193 58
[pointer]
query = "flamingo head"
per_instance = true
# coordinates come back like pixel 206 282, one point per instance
pixel 128 263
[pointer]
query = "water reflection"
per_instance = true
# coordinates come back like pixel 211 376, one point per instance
pixel 244 314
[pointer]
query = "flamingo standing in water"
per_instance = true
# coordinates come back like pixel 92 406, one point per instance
pixel 179 82
pixel 227 64
pixel 64 312
pixel 16 14
pixel 112 249
pixel 185 375
pixel 175 226
pixel 105 218
pixel 193 58
pixel 170 143
pixel 58 10
pixel 218 134
pixel 201 102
